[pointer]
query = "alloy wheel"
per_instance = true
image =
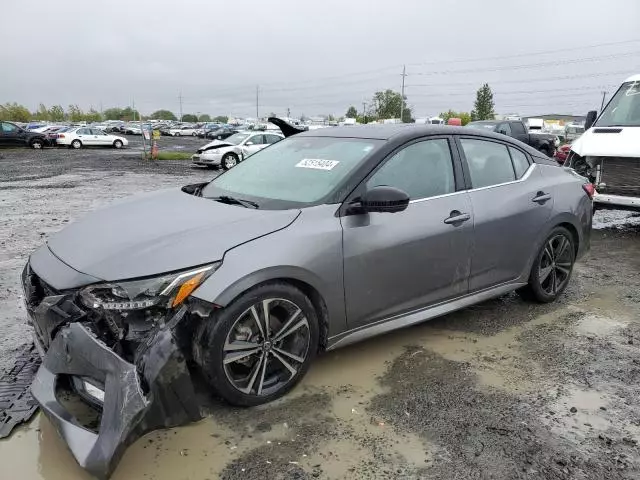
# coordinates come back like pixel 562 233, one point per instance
pixel 229 161
pixel 555 264
pixel 266 347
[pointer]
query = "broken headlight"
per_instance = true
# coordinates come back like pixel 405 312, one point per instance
pixel 168 290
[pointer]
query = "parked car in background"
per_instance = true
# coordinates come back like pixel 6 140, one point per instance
pixel 608 152
pixel 182 131
pixel 235 148
pixel 220 133
pixel 79 137
pixel 132 129
pixel 573 131
pixel 542 142
pixel 324 239
pixel 11 135
pixel 562 153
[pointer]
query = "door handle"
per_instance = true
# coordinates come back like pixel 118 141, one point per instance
pixel 541 197
pixel 457 217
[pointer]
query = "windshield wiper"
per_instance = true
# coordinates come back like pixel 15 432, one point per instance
pixel 236 201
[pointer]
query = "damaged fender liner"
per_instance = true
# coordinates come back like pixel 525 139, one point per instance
pixel 127 413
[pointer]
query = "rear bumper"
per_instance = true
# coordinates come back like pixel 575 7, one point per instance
pixel 615 202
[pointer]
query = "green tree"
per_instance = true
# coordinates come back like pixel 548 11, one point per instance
pixel 464 117
pixel 75 113
pixel 56 113
pixel 93 116
pixel 388 104
pixel 42 113
pixel 483 107
pixel 221 119
pixel 352 112
pixel 163 115
pixel 189 117
pixel 128 114
pixel 204 118
pixel 113 114
pixel 15 112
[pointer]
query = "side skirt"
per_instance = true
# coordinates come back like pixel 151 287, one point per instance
pixel 418 316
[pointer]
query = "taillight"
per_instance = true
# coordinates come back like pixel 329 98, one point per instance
pixel 61 135
pixel 589 189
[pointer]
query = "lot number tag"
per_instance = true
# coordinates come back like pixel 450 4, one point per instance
pixel 317 163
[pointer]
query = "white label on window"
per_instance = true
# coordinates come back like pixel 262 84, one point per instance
pixel 317 163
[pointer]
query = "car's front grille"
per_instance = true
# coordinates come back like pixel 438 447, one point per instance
pixel 620 176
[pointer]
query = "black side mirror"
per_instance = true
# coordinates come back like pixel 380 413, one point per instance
pixel 384 199
pixel 591 119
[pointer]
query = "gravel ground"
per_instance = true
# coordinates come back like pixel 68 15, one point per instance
pixel 502 390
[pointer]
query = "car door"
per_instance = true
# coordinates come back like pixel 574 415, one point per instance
pixel 519 132
pixel 10 135
pixel 85 136
pixel 253 144
pixel 270 138
pixel 399 262
pixel 100 137
pixel 511 204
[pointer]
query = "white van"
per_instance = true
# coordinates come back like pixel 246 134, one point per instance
pixel 608 152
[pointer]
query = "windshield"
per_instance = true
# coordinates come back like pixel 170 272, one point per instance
pixel 302 170
pixel 481 125
pixel 624 108
pixel 237 138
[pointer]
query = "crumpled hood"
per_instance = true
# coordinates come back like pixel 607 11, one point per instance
pixel 215 145
pixel 608 142
pixel 160 232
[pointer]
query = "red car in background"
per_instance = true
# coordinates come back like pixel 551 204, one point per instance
pixel 562 153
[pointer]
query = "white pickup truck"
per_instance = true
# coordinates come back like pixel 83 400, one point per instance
pixel 608 153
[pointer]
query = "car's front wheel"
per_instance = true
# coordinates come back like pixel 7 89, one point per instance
pixel 230 160
pixel 177 134
pixel 117 144
pixel 552 268
pixel 258 347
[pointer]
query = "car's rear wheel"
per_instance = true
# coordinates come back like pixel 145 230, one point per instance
pixel 552 268
pixel 230 160
pixel 260 346
pixel 37 144
pixel 76 144
pixel 177 134
pixel 117 144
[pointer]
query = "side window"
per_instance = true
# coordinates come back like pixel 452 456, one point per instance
pixel 9 128
pixel 256 139
pixel 272 138
pixel 489 162
pixel 520 162
pixel 96 131
pixel 504 129
pixel 518 128
pixel 83 131
pixel 423 169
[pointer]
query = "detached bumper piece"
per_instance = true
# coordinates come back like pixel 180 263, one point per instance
pixel 134 398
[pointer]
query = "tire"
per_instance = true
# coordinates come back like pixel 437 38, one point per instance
pixel 177 134
pixel 229 160
pixel 554 263
pixel 117 144
pixel 244 381
pixel 37 144
pixel 194 134
pixel 76 144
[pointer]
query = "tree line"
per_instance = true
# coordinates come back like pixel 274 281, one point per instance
pixel 389 104
pixel 19 113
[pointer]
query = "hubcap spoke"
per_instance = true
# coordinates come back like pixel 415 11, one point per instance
pixel 288 366
pixel 549 251
pixel 301 323
pixel 562 269
pixel 264 369
pixel 254 375
pixel 265 312
pixel 544 273
pixel 290 355
pixel 554 279
pixel 561 248
pixel 234 357
pixel 240 345
pixel 256 318
pixel 286 325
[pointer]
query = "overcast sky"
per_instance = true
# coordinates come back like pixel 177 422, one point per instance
pixel 316 56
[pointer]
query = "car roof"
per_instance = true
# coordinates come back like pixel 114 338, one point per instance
pixel 633 78
pixel 404 131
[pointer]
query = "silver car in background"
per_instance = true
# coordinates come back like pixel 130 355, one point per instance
pixel 320 240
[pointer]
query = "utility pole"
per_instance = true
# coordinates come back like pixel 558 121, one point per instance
pixel 257 102
pixel 404 74
pixel 133 107
pixel 100 108
pixel 288 113
pixel 364 112
pixel 180 100
pixel 604 95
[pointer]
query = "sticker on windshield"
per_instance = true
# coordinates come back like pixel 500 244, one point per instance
pixel 317 163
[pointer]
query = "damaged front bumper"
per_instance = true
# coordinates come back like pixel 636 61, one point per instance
pixel 152 391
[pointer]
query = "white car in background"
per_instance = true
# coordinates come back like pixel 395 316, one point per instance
pixel 183 131
pixel 78 137
pixel 228 152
